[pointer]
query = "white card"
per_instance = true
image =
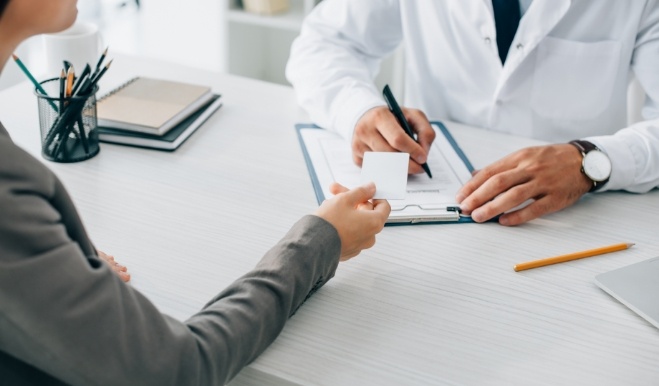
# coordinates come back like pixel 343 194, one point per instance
pixel 389 173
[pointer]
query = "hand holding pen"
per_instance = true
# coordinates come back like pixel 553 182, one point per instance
pixel 400 117
pixel 379 130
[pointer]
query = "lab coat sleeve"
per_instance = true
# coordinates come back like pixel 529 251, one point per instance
pixel 634 151
pixel 336 57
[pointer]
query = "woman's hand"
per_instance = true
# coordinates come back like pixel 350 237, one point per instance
pixel 356 219
pixel 116 267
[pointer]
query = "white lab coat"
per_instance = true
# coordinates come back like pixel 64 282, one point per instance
pixel 565 77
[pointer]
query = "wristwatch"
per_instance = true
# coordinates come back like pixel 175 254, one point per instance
pixel 596 165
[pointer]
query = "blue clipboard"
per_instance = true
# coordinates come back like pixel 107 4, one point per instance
pixel 320 197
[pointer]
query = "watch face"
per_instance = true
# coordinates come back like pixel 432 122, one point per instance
pixel 597 165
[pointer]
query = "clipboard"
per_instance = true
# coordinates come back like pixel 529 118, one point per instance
pixel 328 159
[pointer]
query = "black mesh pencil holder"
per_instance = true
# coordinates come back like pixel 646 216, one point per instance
pixel 68 125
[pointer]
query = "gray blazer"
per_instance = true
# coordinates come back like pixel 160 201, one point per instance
pixel 66 317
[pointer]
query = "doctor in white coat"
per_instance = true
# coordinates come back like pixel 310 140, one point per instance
pixel 558 74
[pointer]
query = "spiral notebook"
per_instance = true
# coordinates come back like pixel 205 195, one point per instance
pixel 150 106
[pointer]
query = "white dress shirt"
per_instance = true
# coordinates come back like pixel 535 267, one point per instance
pixel 565 77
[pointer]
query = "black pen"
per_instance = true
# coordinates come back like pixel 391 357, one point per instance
pixel 398 113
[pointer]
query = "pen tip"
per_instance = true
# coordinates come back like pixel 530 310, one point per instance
pixel 14 56
pixel 109 63
pixel 427 170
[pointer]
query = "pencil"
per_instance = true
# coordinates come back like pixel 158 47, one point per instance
pixel 100 60
pixel 83 134
pixel 70 75
pixel 100 74
pixel 33 80
pixel 80 79
pixel 62 80
pixel 28 74
pixel 572 256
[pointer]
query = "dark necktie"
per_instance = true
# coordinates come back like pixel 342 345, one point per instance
pixel 506 20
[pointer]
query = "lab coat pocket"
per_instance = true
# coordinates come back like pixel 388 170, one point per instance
pixel 574 80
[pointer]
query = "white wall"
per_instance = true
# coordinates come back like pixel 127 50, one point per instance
pixel 189 32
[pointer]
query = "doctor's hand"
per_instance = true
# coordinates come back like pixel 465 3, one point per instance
pixel 119 269
pixel 550 175
pixel 378 130
pixel 355 218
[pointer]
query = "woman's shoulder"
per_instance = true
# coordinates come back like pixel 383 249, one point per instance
pixel 20 172
pixel 37 213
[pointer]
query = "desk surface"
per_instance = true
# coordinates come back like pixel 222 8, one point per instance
pixel 429 304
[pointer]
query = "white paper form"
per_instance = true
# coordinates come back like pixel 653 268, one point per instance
pixel 427 198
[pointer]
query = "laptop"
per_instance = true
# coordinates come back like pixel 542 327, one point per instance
pixel 635 286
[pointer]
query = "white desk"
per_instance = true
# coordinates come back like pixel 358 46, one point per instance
pixel 429 304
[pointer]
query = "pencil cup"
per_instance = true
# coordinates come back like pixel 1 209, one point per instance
pixel 68 125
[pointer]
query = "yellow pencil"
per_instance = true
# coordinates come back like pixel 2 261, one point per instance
pixel 70 76
pixel 572 256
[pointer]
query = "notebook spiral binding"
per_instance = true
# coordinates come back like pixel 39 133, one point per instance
pixel 117 89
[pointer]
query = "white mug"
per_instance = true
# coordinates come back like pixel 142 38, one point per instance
pixel 80 44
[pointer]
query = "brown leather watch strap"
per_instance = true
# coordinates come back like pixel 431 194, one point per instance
pixel 585 147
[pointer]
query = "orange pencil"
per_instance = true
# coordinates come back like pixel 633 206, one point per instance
pixel 70 75
pixel 571 256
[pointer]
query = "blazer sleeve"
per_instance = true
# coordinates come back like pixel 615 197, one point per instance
pixel 336 57
pixel 67 314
